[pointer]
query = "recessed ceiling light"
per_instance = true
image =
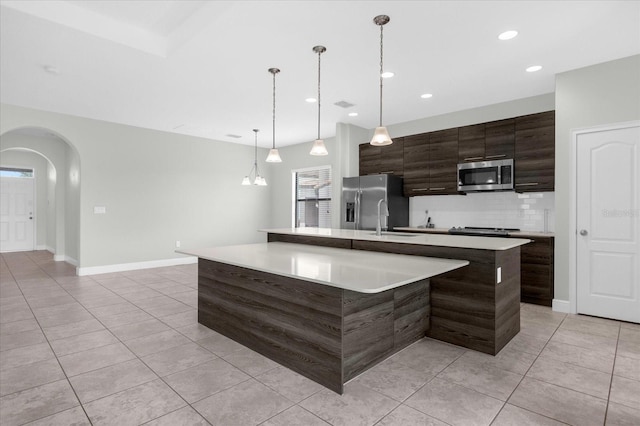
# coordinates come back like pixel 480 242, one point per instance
pixel 387 74
pixel 51 69
pixel 353 114
pixel 534 68
pixel 311 100
pixel 426 95
pixel 508 35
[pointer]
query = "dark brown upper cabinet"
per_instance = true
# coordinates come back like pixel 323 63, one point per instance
pixel 535 152
pixel 443 162
pixel 430 163
pixel 416 165
pixel 382 159
pixel 486 141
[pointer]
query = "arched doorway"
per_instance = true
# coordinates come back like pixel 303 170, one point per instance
pixel 57 199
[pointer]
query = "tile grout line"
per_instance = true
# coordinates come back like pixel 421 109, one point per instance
pixel 54 354
pixel 525 375
pixel 613 369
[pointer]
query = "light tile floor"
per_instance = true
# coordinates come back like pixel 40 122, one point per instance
pixel 126 348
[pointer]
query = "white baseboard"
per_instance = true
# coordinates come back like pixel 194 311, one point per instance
pixel 42 247
pixel 558 305
pixel 70 260
pixel 59 258
pixel 92 270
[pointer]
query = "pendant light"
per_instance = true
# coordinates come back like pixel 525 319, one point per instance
pixel 381 135
pixel 258 180
pixel 318 146
pixel 274 156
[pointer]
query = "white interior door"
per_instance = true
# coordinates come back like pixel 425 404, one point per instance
pixel 608 223
pixel 16 214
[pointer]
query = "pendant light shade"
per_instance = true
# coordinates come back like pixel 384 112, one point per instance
pixel 258 180
pixel 274 155
pixel 318 147
pixel 381 135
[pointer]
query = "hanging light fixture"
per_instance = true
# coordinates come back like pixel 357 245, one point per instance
pixel 258 180
pixel 318 146
pixel 274 156
pixel 381 135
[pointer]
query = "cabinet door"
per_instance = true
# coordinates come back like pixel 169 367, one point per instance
pixel 535 152
pixel 369 159
pixel 391 158
pixel 500 139
pixel 443 162
pixel 536 272
pixel 471 143
pixel 416 165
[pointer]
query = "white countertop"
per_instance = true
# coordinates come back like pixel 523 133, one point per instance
pixel 442 240
pixel 356 270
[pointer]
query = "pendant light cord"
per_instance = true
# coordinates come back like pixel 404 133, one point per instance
pixel 274 111
pixel 319 55
pixel 381 71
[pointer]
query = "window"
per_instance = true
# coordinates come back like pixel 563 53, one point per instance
pixel 312 194
pixel 15 172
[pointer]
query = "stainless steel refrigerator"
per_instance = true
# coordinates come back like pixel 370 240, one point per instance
pixel 360 197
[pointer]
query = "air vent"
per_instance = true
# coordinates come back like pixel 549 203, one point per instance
pixel 233 136
pixel 344 104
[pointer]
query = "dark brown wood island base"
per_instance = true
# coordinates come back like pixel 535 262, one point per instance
pixel 327 334
pixel 470 307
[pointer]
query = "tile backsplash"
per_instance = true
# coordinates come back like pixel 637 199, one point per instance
pixel 487 209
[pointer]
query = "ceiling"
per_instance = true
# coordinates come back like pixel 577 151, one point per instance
pixel 200 67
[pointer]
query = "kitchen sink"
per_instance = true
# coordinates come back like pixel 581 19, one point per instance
pixel 396 234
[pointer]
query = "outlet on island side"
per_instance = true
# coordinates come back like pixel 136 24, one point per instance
pixel 499 275
pixel 177 244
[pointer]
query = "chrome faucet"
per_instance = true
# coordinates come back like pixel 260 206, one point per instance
pixel 385 213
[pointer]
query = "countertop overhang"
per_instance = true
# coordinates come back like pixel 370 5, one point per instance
pixel 442 240
pixel 355 270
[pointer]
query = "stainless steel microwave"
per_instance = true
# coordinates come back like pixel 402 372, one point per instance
pixel 485 176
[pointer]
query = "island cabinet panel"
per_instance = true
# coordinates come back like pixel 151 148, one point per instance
pixel 325 333
pixel 535 152
pixel 468 307
pixel 537 271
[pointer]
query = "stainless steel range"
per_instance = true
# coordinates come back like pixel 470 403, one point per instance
pixel 482 232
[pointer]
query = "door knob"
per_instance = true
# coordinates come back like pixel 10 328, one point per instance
pixel 583 232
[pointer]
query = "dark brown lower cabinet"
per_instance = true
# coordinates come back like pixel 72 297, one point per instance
pixel 325 333
pixel 536 267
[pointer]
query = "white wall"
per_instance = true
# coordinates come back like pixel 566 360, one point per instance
pixel 39 164
pixel 587 97
pixel 466 117
pixel 157 188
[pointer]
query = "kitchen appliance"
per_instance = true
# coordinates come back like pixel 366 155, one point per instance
pixel 360 197
pixel 494 175
pixel 482 232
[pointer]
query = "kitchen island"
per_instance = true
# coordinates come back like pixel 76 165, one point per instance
pixel 327 313
pixel 477 307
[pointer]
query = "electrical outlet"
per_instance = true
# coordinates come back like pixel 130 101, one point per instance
pixel 177 244
pixel 499 275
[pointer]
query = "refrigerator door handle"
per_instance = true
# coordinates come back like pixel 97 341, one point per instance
pixel 358 195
